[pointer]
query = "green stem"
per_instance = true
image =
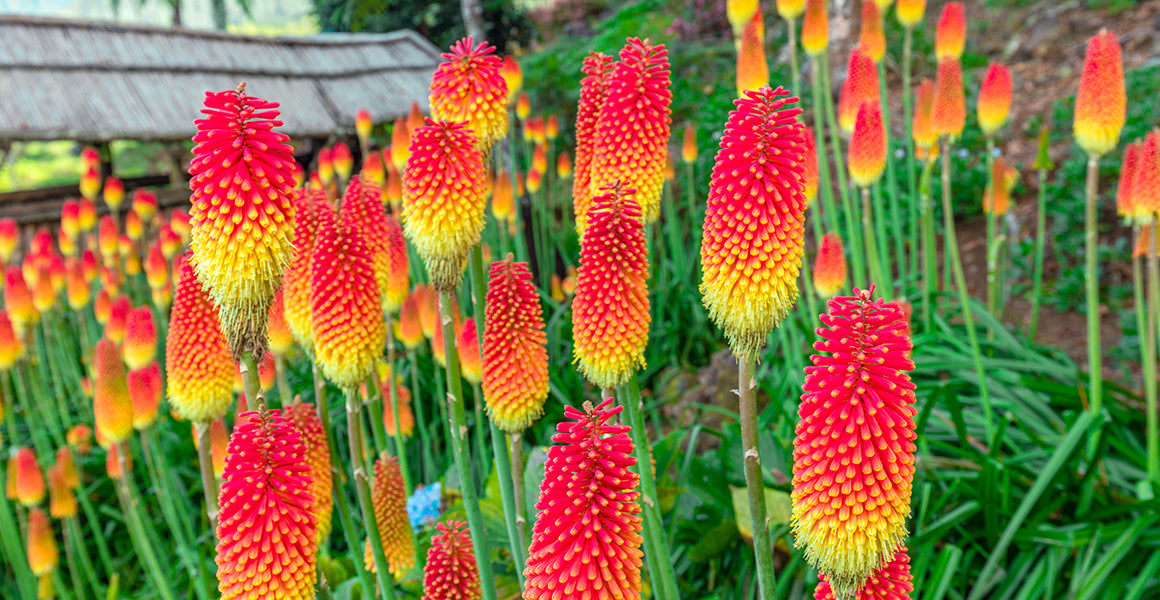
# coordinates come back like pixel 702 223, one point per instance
pixel 283 386
pixel 1153 437
pixel 852 232
pixel 168 512
pixel 929 270
pixel 655 544
pixel 400 439
pixel 137 526
pixel 1092 287
pixel 754 484
pixel 479 434
pixel 892 192
pixel 11 538
pixel 992 264
pixel 517 472
pixel 421 419
pixel 791 25
pixel 825 185
pixel 208 479
pixel 374 403
pixel 961 284
pixel 74 528
pixel 877 276
pixel 362 488
pixel 911 166
pixel 458 431
pixel 1040 239
pixel 691 192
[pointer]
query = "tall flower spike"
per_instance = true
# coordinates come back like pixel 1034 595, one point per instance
pixel 861 87
pixel 513 75
pixel 739 13
pixel 9 239
pixel 119 311
pixel 112 407
pixel 197 358
pixel 305 420
pixel 951 35
pixel 610 314
pixel 389 498
pixel 400 143
pixel 1101 104
pixel 11 348
pixel 867 149
pixel 28 479
pixel 815 28
pixel 145 387
pixel 502 202
pixel 469 88
pixel 1146 183
pixel 752 69
pixel 296 281
pixel 994 99
pixel 830 266
pixel 872 36
pixel 267 534
pixel 597 69
pixel 515 357
pixel 349 331
pixel 470 361
pixel 1125 191
pixel 949 114
pixel 398 277
pixel 891 582
pixel 754 228
pixel 362 212
pixel 632 133
pixel 910 12
pixel 281 340
pixel 587 537
pixel 856 429
pixel 140 346
pixel 922 127
pixel 689 144
pixel 451 572
pixel 68 468
pixel 444 199
pixel 42 551
pixel 62 500
pixel 810 166
pixel 242 215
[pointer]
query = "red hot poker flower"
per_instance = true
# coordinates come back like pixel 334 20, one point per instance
pixel 451 572
pixel 1101 104
pixel 296 280
pixel 140 346
pixel 112 406
pixel 872 37
pixel 515 359
pixel 469 88
pixel 752 68
pixel 593 92
pixel 830 266
pixel 949 114
pixel 197 358
pixel 305 420
pixel 994 98
pixel 389 498
pixel 145 387
pixel 815 28
pixel 861 86
pixel 867 149
pixel 951 35
pixel 587 537
pixel 891 582
pixel 28 479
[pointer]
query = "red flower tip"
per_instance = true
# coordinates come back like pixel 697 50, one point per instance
pixel 891 582
pixel 994 98
pixel 198 364
pixel 515 357
pixel 587 536
pixel 363 124
pixel 470 362
pixel 860 385
pixel 343 160
pixel 949 112
pixel 1146 183
pixel 830 266
pixel 468 87
pixel 752 69
pixel 1101 104
pixel 513 75
pixel 11 348
pixel 951 35
pixel 267 534
pixel 922 126
pixel 113 193
pixel 451 572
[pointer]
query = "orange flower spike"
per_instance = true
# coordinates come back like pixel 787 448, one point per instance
pixel 470 361
pixel 610 314
pixel 403 396
pixel 513 75
pixel 830 266
pixel 910 12
pixel 872 37
pixel 156 267
pixel 179 220
pixel 563 165
pixel 752 68
pixel 363 124
pixel 243 215
pixel 1146 183
pixel 169 240
pixel 43 294
pixel 689 144
pixel 428 300
pixel 86 214
pixel 77 289
pixel 114 193
pixel 1125 192
pixel 28 479
pixel 19 300
pixel 118 319
pixel 145 388
pixel 389 498
pixel 867 151
pixel 815 28
pixel 790 9
pixel 754 227
pixel 848 535
pixel 408 329
pixel 535 180
pixel 861 87
pixel 892 581
pixel 450 572
pixel 268 535
pixel 305 419
pixel 810 165
pixel 922 126
pixel 62 500
pixel 1101 104
pixel 140 339
pixel 443 199
pixel 296 281
pixel 502 202
pixel 343 160
pixel 42 551
pixel 11 348
pixel 372 170
pixel 144 204
pixel 949 114
pixel 107 238
pixel 415 118
pixel 994 99
pixel 80 438
pixel 515 357
pixel 740 13
pixel 68 467
pixel 281 340
pixel 951 35
pixel 112 406
pixel 552 127
pixel 134 226
pixel 198 364
pixel 349 331
pixel 997 199
pixel 587 473
pixel 364 215
pixel 9 239
pixel 468 87
pixel 91 182
pixel 597 69
pixel 70 218
pixel 1143 241
pixel 633 128
pixel 523 105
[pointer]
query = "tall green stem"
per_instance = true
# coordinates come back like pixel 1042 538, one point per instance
pixel 892 193
pixel 1153 436
pixel 400 440
pixel 73 570
pixel 911 165
pixel 137 527
pixel 961 283
pixel 825 185
pixel 791 26
pixel 853 234
pixel 429 467
pixel 208 481
pixel 664 579
pixel 754 484
pixel 1040 239
pixel 517 468
pixel 362 489
pixel 458 433
pixel 284 391
pixel 25 580
pixel 1092 287
pixel 929 270
pixel 877 276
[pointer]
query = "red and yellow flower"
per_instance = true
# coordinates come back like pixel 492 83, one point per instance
pixel 867 151
pixel 197 357
pixel 861 87
pixel 872 37
pixel 451 572
pixel 515 357
pixel 891 582
pixel 951 35
pixel 145 387
pixel 469 88
pixel 42 551
pixel 112 407
pixel 305 420
pixel 28 480
pixel 1101 104
pixel 949 112
pixel 830 266
pixel 815 28
pixel 389 498
pixel 597 69
pixel 994 99
pixel 752 69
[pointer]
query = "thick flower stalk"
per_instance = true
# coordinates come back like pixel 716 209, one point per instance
pixel 515 356
pixel 632 132
pixel 306 422
pixel 951 35
pixel 752 68
pixel 597 69
pixel 145 389
pixel 861 87
pixel 42 551
pixel 242 217
pixel 268 535
pixel 1101 104
pixel 949 112
pixel 450 572
pixel 830 267
pixel 389 497
pixel 867 149
pixel 444 199
pixel 469 88
pixel 112 406
pixel 610 314
pixel 198 365
pixel 994 99
pixel 587 537
pixel 296 281
pixel 857 407
pixel 349 331
pixel 754 227
pixel 891 582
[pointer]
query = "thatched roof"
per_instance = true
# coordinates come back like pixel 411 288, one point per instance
pixel 79 80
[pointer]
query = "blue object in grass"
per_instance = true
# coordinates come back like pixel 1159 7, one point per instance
pixel 423 506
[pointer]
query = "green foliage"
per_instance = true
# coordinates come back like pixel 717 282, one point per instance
pixel 505 26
